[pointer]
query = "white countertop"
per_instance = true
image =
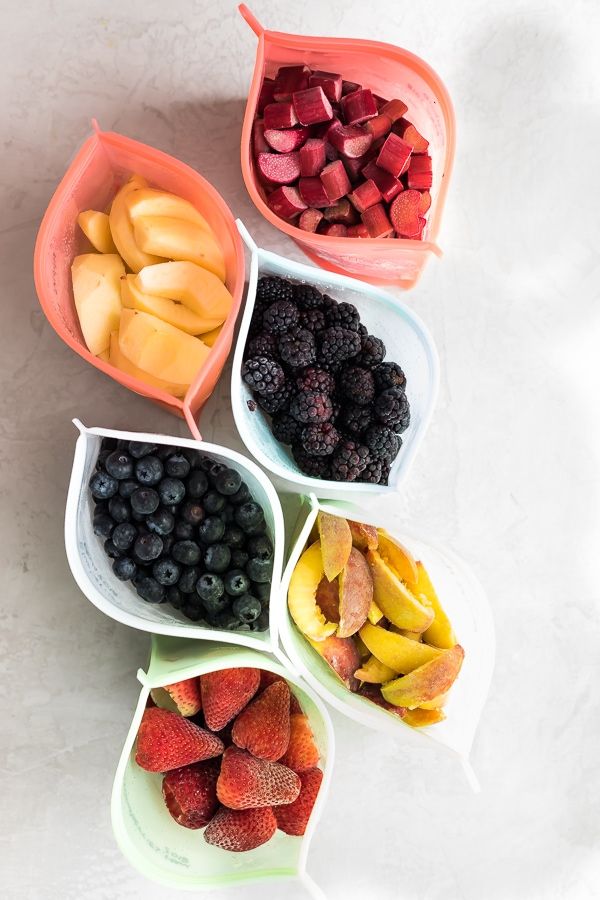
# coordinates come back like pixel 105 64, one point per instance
pixel 507 474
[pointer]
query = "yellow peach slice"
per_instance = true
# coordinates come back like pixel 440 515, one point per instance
pixel 177 239
pixel 393 650
pixel 394 599
pixel 342 656
pixel 302 595
pixel 96 227
pixel 374 671
pixel 426 682
pixel 151 202
pixel 210 337
pixel 121 228
pixel 436 703
pixel 121 362
pixel 170 311
pixel 355 593
pixel 440 633
pixel 398 557
pixel 364 537
pixel 159 348
pixel 190 284
pixel 363 651
pixel 336 543
pixel 420 718
pixel 97 295
pixel 374 614
pixel 328 599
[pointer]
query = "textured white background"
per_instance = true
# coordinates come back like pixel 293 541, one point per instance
pixel 508 473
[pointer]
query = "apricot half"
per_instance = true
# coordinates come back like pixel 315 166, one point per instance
pixel 302 595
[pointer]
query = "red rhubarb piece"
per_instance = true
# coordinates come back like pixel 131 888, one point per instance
pixel 312 106
pixel 394 109
pixel 280 168
pixel 335 229
pixel 330 152
pixel 365 195
pixel 348 87
pixel 379 101
pixel 358 106
pixel 259 145
pixel 407 131
pixel 358 231
pixel 354 166
pixel 290 79
pixel 419 235
pixel 266 94
pixel 377 223
pixel 285 140
pixel 394 155
pixel 286 202
pixel 350 140
pixel 335 181
pixel 280 115
pixel 404 213
pixel 341 212
pixel 419 172
pixel 424 203
pixel 313 192
pixel 312 157
pixel 310 219
pixel 379 126
pixel 388 185
pixel 330 82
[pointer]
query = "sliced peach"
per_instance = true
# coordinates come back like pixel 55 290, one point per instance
pixel 394 599
pixel 336 543
pixel 436 703
pixel 356 593
pixel 364 537
pixel 328 599
pixel 427 682
pixel 411 635
pixel 398 557
pixel 302 595
pixel 372 692
pixel 420 718
pixel 398 652
pixel 363 650
pixel 374 672
pixel 210 337
pixel 374 615
pixel 440 633
pixel 342 656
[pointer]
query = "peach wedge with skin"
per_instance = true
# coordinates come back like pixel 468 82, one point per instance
pixel 421 718
pixel 399 653
pixel 427 682
pixel 394 599
pixel 398 557
pixel 342 655
pixel 355 594
pixel 364 537
pixel 440 633
pixel 302 595
pixel 336 543
pixel 374 672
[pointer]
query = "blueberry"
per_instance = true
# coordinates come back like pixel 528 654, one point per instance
pixel 175 597
pixel 197 484
pixel 188 579
pixel 260 570
pixel 262 623
pixel 147 547
pixel 177 466
pixel 183 531
pixel 210 587
pixel 239 558
pixel 228 621
pixel 102 457
pixel 241 496
pixel 215 469
pixel 119 465
pixel 144 501
pixel 124 535
pixel 247 608
pixel 213 502
pixel 249 516
pixel 193 613
pixel 262 590
pixel 215 605
pixel 217 557
pixel 168 541
pixel 171 491
pixel 100 506
pixel 124 568
pixel 236 582
pixel 234 537
pixel 166 572
pixel 205 463
pixel 149 589
pixel 108 444
pixel 260 547
pixel 186 552
pixel 103 525
pixel 192 456
pixel 211 530
pixel 119 509
pixel 137 517
pixel 138 449
pixel 228 482
pixel 161 522
pixel 192 512
pixel 110 550
pixel 228 514
pixel 103 486
pixel 165 451
pixel 127 487
pixel 149 470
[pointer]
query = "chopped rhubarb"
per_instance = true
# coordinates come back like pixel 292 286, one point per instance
pixel 424 203
pixel 330 152
pixel 265 96
pixel 358 231
pixel 280 115
pixel 312 106
pixel 419 235
pixel 407 131
pixel 309 219
pixel 358 106
pixel 313 192
pixel 354 166
pixel 334 229
pixel 419 172
pixel 330 82
pixel 376 221
pixel 388 184
pixel 393 109
pixel 312 157
pixel 350 140
pixel 284 140
pixel 335 181
pixel 365 195
pixel 259 144
pixel 286 202
pixel 342 212
pixel 404 213
pixel 281 168
pixel 290 79
pixel 348 87
pixel 379 126
pixel 379 101
pixel 394 155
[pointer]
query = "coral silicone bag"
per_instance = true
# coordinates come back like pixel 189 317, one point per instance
pixel 102 164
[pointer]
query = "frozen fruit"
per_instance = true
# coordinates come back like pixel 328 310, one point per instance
pixel 96 227
pixel 374 671
pixel 358 385
pixel 310 219
pixel 328 599
pixel 419 172
pixel 124 568
pixel 331 83
pixel 396 651
pixel 288 80
pixel 239 830
pixel 382 442
pixel 440 633
pixel 404 213
pixel 285 140
pixel 293 818
pixel 263 375
pixel 147 547
pixel 376 221
pixel 297 347
pixel 279 115
pixel 427 681
pixel 335 543
pixel 352 141
pixel 168 741
pixel 365 195
pixel 246 782
pixel 395 600
pixel 341 212
pixel 312 106
pixel 358 106
pixel 342 656
pixel 263 727
pixel 302 591
pixel 402 561
pixel 350 458
pixel 309 407
pixel 388 185
pixel 286 202
pixel 186 696
pixel 394 156
pixel 97 294
pixel 247 608
pixel 379 126
pixel 388 375
pixel 355 594
pixel 312 157
pixel 313 193
pixel 225 693
pixel 217 558
pixel 338 344
pixel 364 537
pixel 421 718
pixel 190 794
pixel 334 180
pixel 392 409
pixel 320 439
pixel 279 168
pixel 302 752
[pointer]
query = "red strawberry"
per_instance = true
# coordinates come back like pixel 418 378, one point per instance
pixel 263 727
pixel 225 694
pixel 167 741
pixel 267 678
pixel 246 782
pixel 186 696
pixel 302 753
pixel 294 705
pixel 191 793
pixel 241 829
pixel 294 817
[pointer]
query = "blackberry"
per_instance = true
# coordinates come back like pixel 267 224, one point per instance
pixel 312 319
pixel 264 344
pixel 344 315
pixel 357 385
pixel 391 408
pixel 307 296
pixel 372 473
pixel 320 440
pixel 285 428
pixel 314 466
pixel 388 375
pixel 337 345
pixel 263 375
pixel 271 288
pixel 382 442
pixel 349 460
pixel 385 471
pixel 355 419
pixel 311 407
pixel 297 347
pixel 372 352
pixel 278 401
pixel 314 379
pixel 280 316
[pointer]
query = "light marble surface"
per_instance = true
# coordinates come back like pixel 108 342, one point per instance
pixel 507 475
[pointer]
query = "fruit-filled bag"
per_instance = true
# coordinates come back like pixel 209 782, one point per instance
pixel 92 568
pixel 388 71
pixel 406 339
pixel 101 166
pixel 466 607
pixel 178 857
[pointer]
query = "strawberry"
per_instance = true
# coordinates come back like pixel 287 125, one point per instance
pixel 186 696
pixel 294 817
pixel 245 782
pixel 302 753
pixel 241 829
pixel 191 793
pixel 263 727
pixel 225 694
pixel 167 741
pixel 267 678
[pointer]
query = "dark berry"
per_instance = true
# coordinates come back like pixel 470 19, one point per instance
pixel 392 409
pixel 372 473
pixel 213 502
pixel 124 535
pixel 111 551
pixel 233 536
pixel 144 501
pixel 260 547
pixel 149 470
pixel 188 579
pixel 227 514
pixel 228 621
pixel 277 402
pixel 263 375
pixel 311 407
pixel 107 444
pixel 210 587
pixel 103 486
pixel 337 345
pixel 262 622
pixel 103 525
pixel 205 463
pixel 177 466
pixel 216 605
pixel 217 557
pixel 236 582
pixel 313 466
pixel 241 496
pixel 216 469
pixel 119 464
pixel 102 457
pixel 239 558
pixel 147 547
pixel 247 608
pixel 320 440
pixel 313 320
pixel 259 570
pixel 124 568
pixel 175 597
pixel 372 352
pixel 307 297
pixel 127 487
pixel 192 512
pixel 264 344
pixel 228 482
pixel 297 347
pixel 349 460
pixel 285 428
pixel 149 589
pixel 280 316
pixel 168 541
pixel 314 379
pixel 119 509
pixel 183 531
pixel 211 530
pixel 188 553
pixel 382 442
pixel 355 419
pixel 344 315
pixel 357 385
pixel 161 522
pixel 197 484
pixel 249 516
pixel 171 491
pixel 164 451
pixel 272 287
pixel 137 449
pixel 192 612
pixel 388 375
pixel 166 571
pixel 262 590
